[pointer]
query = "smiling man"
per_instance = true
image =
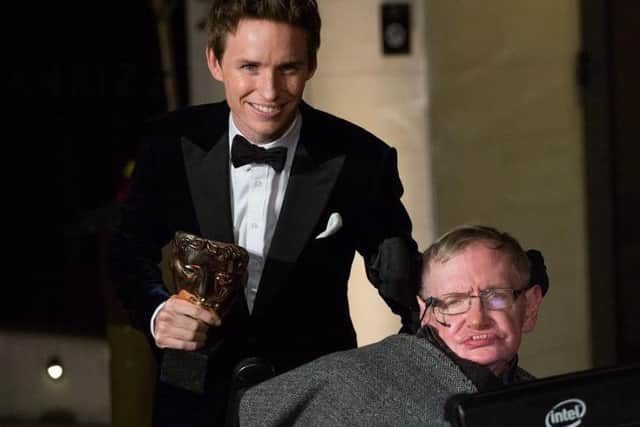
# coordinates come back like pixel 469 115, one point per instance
pixel 264 70
pixel 301 190
pixel 480 292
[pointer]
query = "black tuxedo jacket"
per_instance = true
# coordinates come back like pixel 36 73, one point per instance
pixel 181 182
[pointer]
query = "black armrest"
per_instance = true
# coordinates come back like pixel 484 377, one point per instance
pixel 247 373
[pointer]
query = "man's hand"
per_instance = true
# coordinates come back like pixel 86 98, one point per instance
pixel 183 325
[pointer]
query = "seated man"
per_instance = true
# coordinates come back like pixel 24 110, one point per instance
pixel 476 301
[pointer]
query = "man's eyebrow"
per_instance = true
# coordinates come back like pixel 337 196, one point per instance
pixel 296 62
pixel 448 294
pixel 488 288
pixel 498 286
pixel 246 61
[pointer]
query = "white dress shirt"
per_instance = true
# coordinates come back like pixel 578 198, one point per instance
pixel 257 191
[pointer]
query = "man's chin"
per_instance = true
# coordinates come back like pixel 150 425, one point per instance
pixel 482 356
pixel 271 130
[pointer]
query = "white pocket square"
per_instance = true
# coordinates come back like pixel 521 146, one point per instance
pixel 333 225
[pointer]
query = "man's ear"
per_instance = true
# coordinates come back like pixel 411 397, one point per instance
pixel 533 297
pixel 313 66
pixel 215 68
pixel 424 319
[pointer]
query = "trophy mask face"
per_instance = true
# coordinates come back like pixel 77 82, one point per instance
pixel 207 272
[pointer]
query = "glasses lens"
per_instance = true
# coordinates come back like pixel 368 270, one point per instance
pixel 455 304
pixel 498 299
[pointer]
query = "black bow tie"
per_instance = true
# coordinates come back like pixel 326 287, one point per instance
pixel 243 152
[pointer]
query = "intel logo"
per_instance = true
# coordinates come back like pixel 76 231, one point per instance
pixel 567 413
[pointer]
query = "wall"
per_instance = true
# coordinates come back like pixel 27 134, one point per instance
pixel 202 87
pixel 388 96
pixel 507 148
pixel 80 396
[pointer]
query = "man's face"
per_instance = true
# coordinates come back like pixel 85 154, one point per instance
pixel 264 70
pixel 488 337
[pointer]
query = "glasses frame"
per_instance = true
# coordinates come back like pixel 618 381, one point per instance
pixel 436 303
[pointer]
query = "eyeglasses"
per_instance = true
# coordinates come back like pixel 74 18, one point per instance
pixel 492 299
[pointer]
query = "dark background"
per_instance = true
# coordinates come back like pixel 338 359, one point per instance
pixel 608 71
pixel 82 77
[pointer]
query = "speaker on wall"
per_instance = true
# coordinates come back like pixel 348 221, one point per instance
pixel 396 31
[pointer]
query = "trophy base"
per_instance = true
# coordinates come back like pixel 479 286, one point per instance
pixel 187 370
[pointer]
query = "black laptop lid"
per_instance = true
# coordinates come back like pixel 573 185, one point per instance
pixel 605 397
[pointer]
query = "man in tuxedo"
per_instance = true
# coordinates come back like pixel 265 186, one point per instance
pixel 300 189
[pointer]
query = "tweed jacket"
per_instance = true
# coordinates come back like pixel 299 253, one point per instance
pixel 402 380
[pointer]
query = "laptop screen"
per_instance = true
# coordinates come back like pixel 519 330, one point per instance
pixel 605 397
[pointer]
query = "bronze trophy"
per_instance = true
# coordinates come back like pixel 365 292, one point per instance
pixel 206 273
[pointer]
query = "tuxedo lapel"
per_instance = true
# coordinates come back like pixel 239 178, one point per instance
pixel 208 176
pixel 310 183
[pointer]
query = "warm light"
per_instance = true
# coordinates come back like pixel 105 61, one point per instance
pixel 54 370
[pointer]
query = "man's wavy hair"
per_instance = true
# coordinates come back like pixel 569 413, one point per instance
pixel 224 16
pixel 454 241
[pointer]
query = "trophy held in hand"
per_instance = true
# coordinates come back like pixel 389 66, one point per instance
pixel 206 273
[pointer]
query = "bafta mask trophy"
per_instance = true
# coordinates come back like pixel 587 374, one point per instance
pixel 206 273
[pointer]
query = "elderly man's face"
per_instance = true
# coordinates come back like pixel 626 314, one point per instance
pixel 488 337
